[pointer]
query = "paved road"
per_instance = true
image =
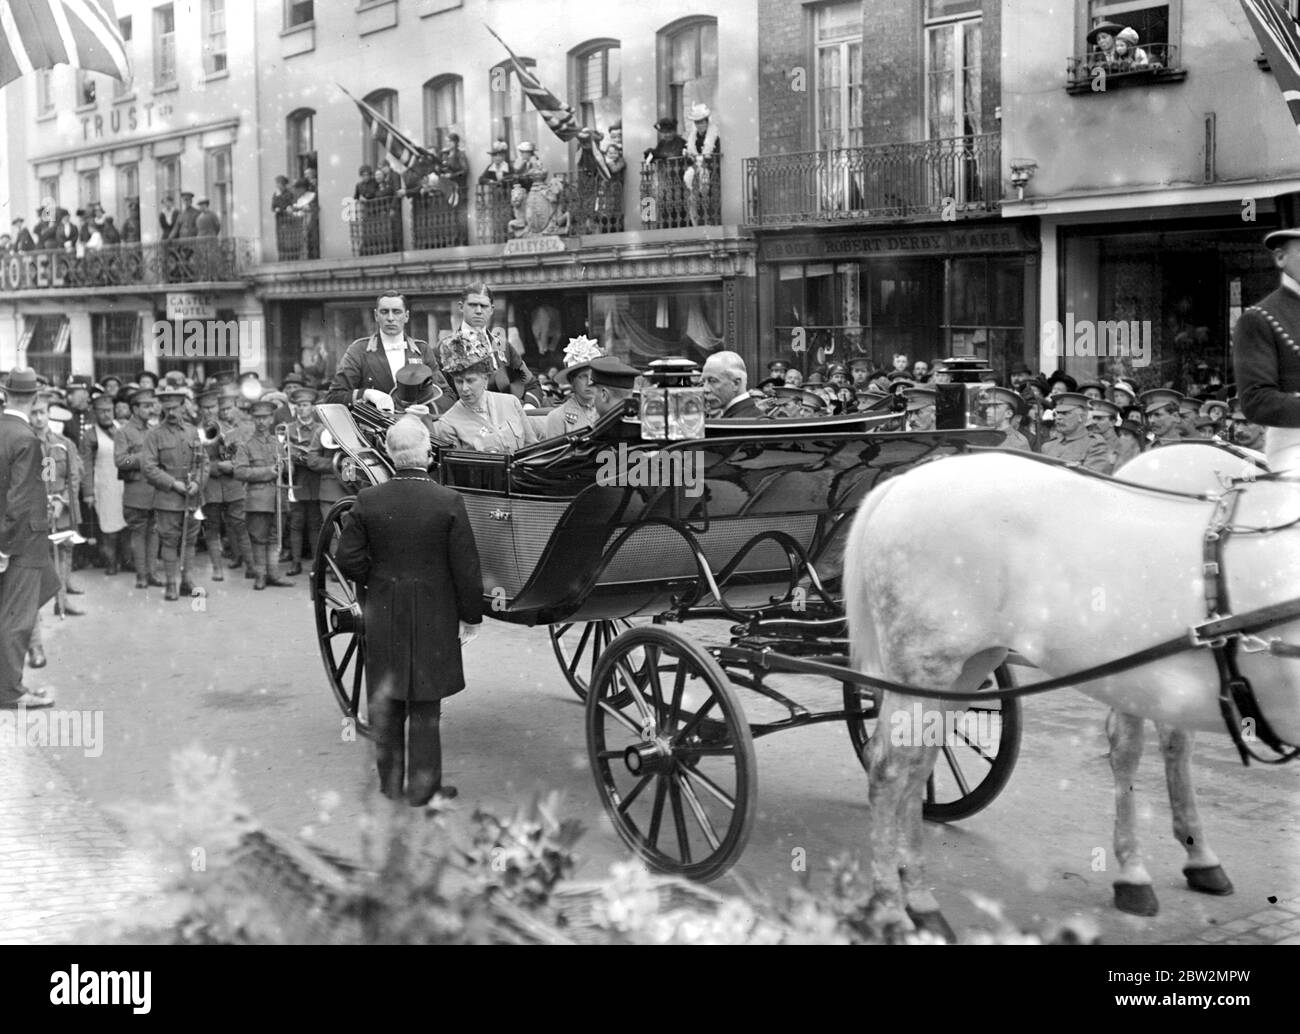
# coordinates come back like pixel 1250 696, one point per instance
pixel 243 674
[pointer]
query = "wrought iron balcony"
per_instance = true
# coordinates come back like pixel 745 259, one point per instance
pixel 682 192
pixel 184 260
pixel 943 178
pixel 1094 72
pixel 297 234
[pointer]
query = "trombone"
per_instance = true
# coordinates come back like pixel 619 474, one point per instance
pixel 284 457
pixel 197 455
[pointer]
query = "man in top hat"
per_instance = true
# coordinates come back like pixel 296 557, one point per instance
pixel 1072 441
pixel 257 464
pixel 1001 408
pixel 369 367
pixel 224 494
pixel 175 463
pixel 612 382
pixel 138 493
pixel 725 392
pixel 27 576
pixel 1160 407
pixel 579 409
pixel 1266 347
pixel 304 510
pixel 417 392
pixel 920 407
pixel 1103 421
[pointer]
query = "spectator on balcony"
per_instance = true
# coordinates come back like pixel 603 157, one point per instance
pixel 186 224
pixel 207 224
pixel 670 145
pixel 6 244
pixel 309 174
pixel 1102 37
pixel 22 239
pixel 454 170
pixel 85 228
pixel 660 185
pixel 387 208
pixel 131 227
pixel 609 191
pixel 110 233
pixel 307 208
pixel 1129 57
pixel 702 150
pixel 282 199
pixel 367 187
pixel 65 234
pixel 498 169
pixel 168 214
pixel 528 168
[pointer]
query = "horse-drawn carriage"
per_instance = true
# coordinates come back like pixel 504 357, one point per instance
pixel 612 541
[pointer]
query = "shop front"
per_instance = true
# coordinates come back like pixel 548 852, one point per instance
pixel 922 291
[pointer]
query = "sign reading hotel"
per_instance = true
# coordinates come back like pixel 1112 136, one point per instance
pixel 27 270
pixel 190 307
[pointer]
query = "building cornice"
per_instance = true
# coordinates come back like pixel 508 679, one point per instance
pixel 104 146
pixel 1149 197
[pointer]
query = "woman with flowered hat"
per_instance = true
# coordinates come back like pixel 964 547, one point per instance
pixel 486 421
pixel 579 409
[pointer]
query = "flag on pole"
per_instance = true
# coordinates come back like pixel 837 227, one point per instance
pixel 401 148
pixel 1280 41
pixel 44 33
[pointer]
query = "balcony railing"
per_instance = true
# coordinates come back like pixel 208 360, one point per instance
pixel 297 234
pixel 931 178
pixel 375 225
pixel 682 192
pixel 185 260
pixel 1094 73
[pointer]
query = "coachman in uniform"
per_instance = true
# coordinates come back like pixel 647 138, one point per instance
pixel 176 464
pixel 408 543
pixel 257 464
pixel 1266 347
pixel 137 493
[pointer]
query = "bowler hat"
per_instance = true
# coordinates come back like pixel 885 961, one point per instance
pixel 21 381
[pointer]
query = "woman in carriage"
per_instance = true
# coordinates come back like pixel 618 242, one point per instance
pixel 482 420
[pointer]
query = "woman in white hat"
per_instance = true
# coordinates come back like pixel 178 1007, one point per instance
pixel 702 150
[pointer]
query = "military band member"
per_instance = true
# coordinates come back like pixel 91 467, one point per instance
pixel 304 511
pixel 1002 407
pixel 176 464
pixel 1103 421
pixel 61 471
pixel 920 407
pixel 257 464
pixel 1072 442
pixel 223 496
pixel 1160 407
pixel 137 493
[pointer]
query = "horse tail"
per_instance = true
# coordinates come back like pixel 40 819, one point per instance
pixel 864 646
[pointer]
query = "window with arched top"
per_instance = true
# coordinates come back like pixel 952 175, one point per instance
pixel 444 106
pixel 596 84
pixel 688 67
pixel 514 119
pixel 300 133
pixel 385 103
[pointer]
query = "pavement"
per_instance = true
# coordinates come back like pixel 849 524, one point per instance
pixel 239 671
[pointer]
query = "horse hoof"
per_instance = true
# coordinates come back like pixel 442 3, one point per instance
pixel 1209 880
pixel 932 923
pixel 1137 899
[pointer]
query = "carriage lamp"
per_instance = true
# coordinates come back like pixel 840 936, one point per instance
pixel 672 401
pixel 957 404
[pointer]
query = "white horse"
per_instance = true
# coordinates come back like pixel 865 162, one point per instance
pixel 1070 572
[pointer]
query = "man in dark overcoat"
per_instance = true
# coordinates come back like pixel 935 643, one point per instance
pixel 408 545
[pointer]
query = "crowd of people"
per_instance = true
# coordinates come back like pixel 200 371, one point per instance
pixel 55 230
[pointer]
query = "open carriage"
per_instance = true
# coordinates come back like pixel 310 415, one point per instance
pixel 612 541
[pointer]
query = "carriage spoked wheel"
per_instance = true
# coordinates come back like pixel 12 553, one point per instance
pixel 339 626
pixel 578 646
pixel 978 750
pixel 672 753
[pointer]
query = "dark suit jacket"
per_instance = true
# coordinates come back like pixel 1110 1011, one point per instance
pixel 408 543
pixel 364 365
pixel 743 406
pixel 187 223
pixel 24 521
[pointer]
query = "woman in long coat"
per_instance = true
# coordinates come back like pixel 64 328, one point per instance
pixel 408 545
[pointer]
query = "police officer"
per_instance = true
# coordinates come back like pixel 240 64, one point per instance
pixel 175 462
pixel 1164 421
pixel 137 493
pixel 1072 442
pixel 257 464
pixel 223 496
pixel 1001 408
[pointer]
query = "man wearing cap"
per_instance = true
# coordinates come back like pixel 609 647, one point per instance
pixel 206 223
pixel 1103 421
pixel 61 471
pixel 137 494
pixel 304 511
pixel 1072 443
pixel 1266 347
pixel 920 407
pixel 27 575
pixel 369 367
pixel 1242 431
pixel 725 395
pixel 175 462
pixel 1161 409
pixel 257 464
pixel 187 219
pixel 22 237
pixel 223 495
pixel 79 386
pixel 1001 407
pixel 613 383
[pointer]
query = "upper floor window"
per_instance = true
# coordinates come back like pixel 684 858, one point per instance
pixel 514 119
pixel 300 132
pixel 953 35
pixel 220 184
pixel 1126 41
pixel 164 46
pixel 44 91
pixel 598 86
pixel 121 87
pixel 85 88
pixel 385 103
pixel 128 187
pixel 168 180
pixel 88 188
pixel 688 67
pixel 444 106
pixel 49 191
pixel 298 12
pixel 839 75
pixel 214 36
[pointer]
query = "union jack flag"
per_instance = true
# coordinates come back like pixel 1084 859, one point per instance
pixel 404 151
pixel 1280 40
pixel 44 33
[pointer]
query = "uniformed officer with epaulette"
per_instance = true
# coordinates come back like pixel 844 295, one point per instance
pixel 1103 421
pixel 257 464
pixel 223 496
pixel 137 493
pixel 1164 421
pixel 578 410
pixel 304 511
pixel 1001 408
pixel 175 462
pixel 1072 441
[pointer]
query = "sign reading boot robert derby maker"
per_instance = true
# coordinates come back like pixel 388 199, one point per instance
pixel 190 307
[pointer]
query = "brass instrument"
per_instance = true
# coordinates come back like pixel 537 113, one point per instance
pixel 192 475
pixel 284 459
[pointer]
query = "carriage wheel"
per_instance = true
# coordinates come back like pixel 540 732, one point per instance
pixel 672 753
pixel 339 627
pixel 578 646
pixel 973 766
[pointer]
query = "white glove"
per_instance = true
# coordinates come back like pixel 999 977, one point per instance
pixel 379 399
pixel 418 409
pixel 468 633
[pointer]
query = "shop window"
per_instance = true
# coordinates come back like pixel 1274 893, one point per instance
pixel 821 314
pixel 986 311
pixel 46 347
pixel 645 325
pixel 1141 46
pixel 117 344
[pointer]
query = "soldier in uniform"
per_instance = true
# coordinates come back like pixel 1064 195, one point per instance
pixel 62 475
pixel 1103 421
pixel 137 493
pixel 1242 431
pixel 176 464
pixel 1188 412
pixel 1132 440
pixel 1072 442
pixel 579 409
pixel 223 496
pixel 1001 408
pixel 320 460
pixel 920 407
pixel 1160 407
pixel 257 464
pixel 304 511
